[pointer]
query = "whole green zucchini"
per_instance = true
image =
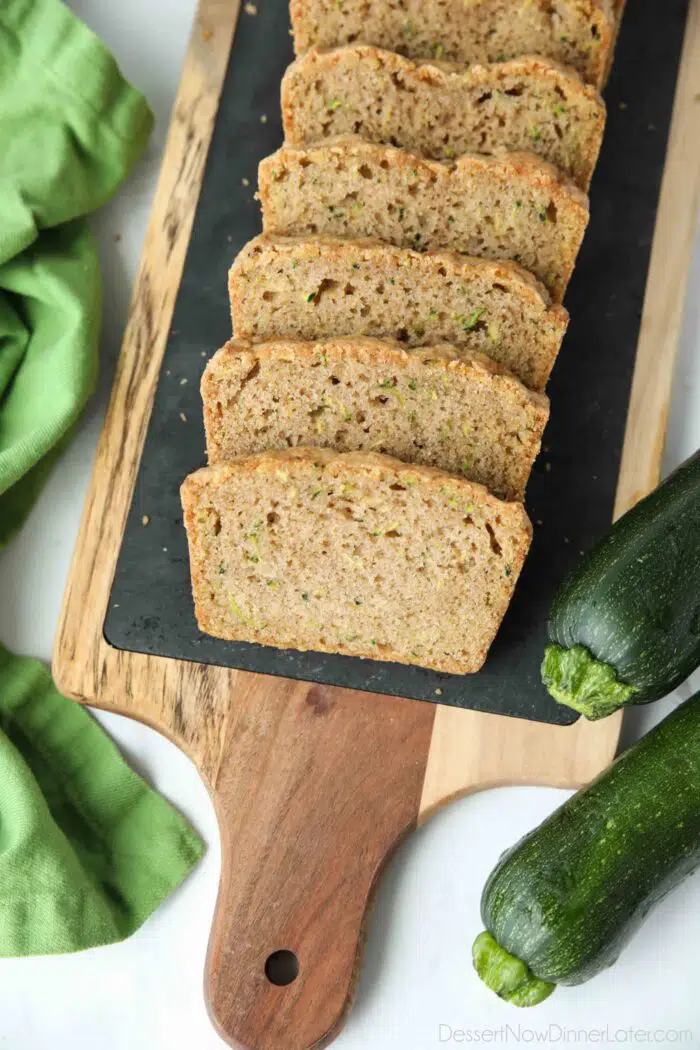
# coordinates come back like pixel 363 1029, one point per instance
pixel 563 903
pixel 625 625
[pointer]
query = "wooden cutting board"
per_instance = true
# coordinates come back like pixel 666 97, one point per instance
pixel 316 784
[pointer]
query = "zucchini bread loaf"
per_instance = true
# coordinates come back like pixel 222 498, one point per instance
pixel 466 415
pixel 441 110
pixel 357 554
pixel 578 33
pixel 506 206
pixel 319 287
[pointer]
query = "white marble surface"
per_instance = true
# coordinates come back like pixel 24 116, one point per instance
pixel 417 989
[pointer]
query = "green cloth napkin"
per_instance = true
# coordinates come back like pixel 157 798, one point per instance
pixel 70 131
pixel 87 849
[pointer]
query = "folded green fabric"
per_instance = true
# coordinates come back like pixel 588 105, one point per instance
pixel 87 849
pixel 71 129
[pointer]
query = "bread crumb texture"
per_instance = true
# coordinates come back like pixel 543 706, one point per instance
pixel 430 406
pixel 317 287
pixel 577 33
pixel 441 110
pixel 356 553
pixel 503 206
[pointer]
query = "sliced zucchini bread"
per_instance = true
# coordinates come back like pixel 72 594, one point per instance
pixel 428 406
pixel 357 553
pixel 316 288
pixel 578 33
pixel 442 110
pixel 506 206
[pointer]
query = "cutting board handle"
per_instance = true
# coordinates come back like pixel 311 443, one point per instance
pixel 316 787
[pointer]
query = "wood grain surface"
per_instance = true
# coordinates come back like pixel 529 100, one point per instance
pixel 666 286
pixel 314 786
pixel 319 790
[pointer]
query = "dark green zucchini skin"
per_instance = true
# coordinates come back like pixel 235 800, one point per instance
pixel 633 602
pixel 568 898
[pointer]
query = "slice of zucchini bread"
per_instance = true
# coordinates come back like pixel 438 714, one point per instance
pixel 428 406
pixel 441 110
pixel 506 206
pixel 356 554
pixel 318 287
pixel 577 33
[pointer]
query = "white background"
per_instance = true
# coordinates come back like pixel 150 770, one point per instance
pixel 146 994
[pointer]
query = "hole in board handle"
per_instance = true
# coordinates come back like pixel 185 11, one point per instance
pixel 282 967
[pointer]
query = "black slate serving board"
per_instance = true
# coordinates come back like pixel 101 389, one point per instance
pixel 572 490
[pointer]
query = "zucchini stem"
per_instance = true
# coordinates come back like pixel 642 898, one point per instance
pixel 575 678
pixel 506 975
